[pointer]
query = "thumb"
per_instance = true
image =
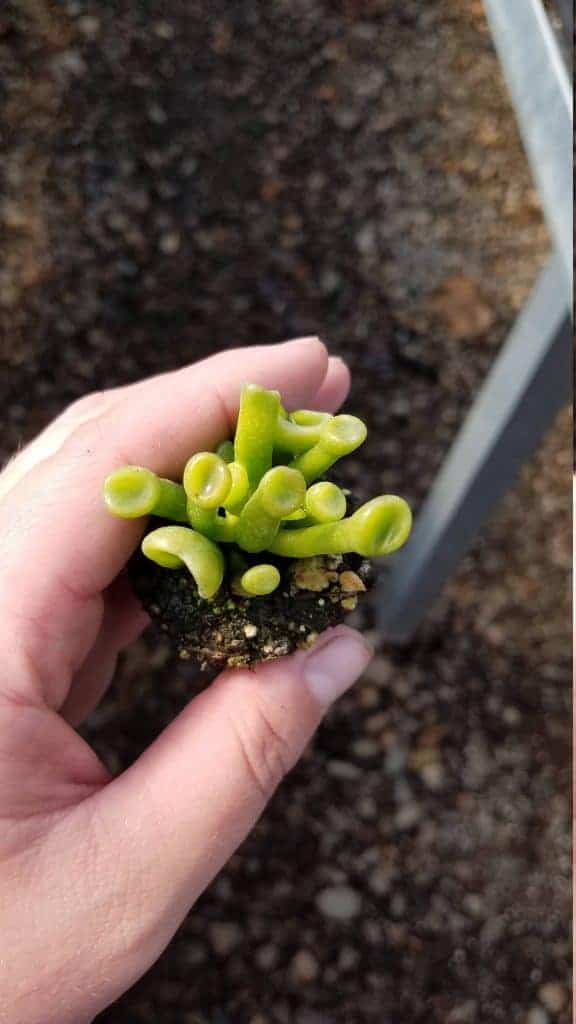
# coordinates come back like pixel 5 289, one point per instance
pixel 181 810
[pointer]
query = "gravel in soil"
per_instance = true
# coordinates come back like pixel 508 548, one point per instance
pixel 182 177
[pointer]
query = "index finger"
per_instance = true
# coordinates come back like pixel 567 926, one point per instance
pixel 57 514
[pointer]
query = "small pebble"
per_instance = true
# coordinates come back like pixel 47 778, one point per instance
pixel 343 769
pixel 380 880
pixel 398 905
pixel 433 775
pixel 376 723
pixel 537 1016
pixel 368 808
pixel 224 937
pixel 163 30
pixel 511 716
pixel 157 114
pixel 169 243
pixel 304 967
pixel 366 239
pixel 380 671
pixel 71 62
pixel 351 583
pixel 250 631
pixel 339 902
pixel 395 759
pixel 89 26
pixel 364 748
pixel 368 697
pixel 553 996
pixel 474 904
pixel 422 756
pixel 463 1014
pixel 408 817
pixel 266 957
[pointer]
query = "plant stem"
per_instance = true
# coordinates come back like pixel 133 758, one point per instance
pixel 281 491
pixel 207 521
pixel 254 440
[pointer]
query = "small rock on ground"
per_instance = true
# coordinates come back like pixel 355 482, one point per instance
pixel 224 937
pixel 537 1016
pixel 553 996
pixel 341 903
pixel 304 967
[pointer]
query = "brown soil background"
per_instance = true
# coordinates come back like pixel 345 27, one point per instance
pixel 183 176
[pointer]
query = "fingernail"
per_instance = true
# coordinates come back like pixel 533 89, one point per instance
pixel 332 667
pixel 302 341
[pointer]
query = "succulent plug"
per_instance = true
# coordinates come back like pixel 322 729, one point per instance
pixel 263 491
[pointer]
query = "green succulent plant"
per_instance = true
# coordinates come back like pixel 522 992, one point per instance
pixel 261 492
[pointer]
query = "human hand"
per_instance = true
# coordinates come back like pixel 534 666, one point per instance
pixel 96 873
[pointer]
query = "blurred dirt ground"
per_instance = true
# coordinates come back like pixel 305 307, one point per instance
pixel 183 176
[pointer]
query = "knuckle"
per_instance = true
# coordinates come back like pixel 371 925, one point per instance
pixel 88 405
pixel 265 750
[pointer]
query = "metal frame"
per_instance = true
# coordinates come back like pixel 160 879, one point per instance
pixel 528 384
pixel 539 85
pixel 531 379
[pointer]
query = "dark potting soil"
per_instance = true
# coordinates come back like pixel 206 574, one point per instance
pixel 231 631
pixel 180 177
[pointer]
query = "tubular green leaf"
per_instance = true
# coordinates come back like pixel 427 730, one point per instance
pixel 310 417
pixel 296 438
pixel 379 527
pixel 296 517
pixel 240 489
pixel 207 480
pixel 254 440
pixel 325 502
pixel 175 546
pixel 133 491
pixel 281 491
pixel 258 581
pixel 339 437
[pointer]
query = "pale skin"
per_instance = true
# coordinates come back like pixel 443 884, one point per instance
pixel 97 873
